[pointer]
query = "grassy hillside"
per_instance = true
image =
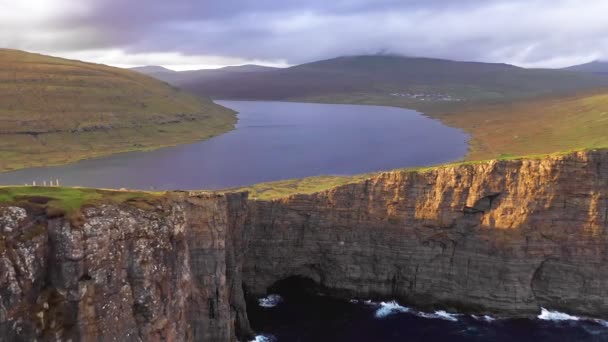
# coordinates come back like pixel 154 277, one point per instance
pixel 55 111
pixel 535 126
pixel 414 80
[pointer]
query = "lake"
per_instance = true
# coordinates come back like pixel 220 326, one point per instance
pixel 272 141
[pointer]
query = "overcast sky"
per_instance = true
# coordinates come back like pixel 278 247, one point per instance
pixel 192 34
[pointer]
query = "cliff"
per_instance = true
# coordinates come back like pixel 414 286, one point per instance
pixel 168 272
pixel 501 237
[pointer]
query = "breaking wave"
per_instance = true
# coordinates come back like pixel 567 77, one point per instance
pixel 484 318
pixel 557 316
pixel 439 315
pixel 264 338
pixel 548 315
pixel 389 308
pixel 270 301
pixel 385 309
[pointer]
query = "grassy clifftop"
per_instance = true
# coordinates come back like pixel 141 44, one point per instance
pixel 535 126
pixel 54 110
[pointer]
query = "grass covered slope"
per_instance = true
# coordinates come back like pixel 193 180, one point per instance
pixel 68 200
pixel 55 111
pixel 535 126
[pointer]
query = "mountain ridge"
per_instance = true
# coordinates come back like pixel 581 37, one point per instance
pixel 178 77
pixel 393 76
pixel 597 67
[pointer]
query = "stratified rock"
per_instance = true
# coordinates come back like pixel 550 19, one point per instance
pixel 171 273
pixel 501 237
pixel 505 237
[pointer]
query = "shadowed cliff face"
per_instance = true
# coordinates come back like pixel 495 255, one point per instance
pixel 169 272
pixel 499 237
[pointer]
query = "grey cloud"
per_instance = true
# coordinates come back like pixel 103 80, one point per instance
pixel 531 32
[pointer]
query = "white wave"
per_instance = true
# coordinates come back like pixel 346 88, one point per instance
pixel 439 315
pixel 264 338
pixel 485 318
pixel 548 315
pixel 389 308
pixel 601 322
pixel 369 302
pixel 270 301
pixel 392 307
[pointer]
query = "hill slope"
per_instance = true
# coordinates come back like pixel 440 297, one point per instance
pixel 595 67
pixel 393 79
pixel 533 126
pixel 54 110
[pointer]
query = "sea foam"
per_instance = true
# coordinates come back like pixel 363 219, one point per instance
pixel 264 338
pixel 389 308
pixel 385 309
pixel 270 301
pixel 548 315
pixel 485 318
pixel 439 315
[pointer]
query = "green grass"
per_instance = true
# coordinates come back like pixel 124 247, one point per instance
pixel 55 111
pixel 284 188
pixel 70 200
pixel 309 185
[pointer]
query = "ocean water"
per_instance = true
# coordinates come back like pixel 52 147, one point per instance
pixel 320 318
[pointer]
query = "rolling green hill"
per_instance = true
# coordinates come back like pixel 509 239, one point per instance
pixel 54 111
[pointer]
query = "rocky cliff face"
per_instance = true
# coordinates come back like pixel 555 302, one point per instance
pixel 500 237
pixel 169 272
pixel 504 237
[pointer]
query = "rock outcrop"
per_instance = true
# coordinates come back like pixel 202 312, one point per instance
pixel 168 272
pixel 501 237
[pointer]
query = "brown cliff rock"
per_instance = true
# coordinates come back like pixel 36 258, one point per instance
pixel 169 273
pixel 502 237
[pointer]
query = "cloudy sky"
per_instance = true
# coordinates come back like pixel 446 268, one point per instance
pixel 192 34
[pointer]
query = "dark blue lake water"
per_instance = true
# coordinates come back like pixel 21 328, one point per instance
pixel 272 141
pixel 320 319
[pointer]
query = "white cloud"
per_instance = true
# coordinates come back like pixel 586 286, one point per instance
pixel 172 60
pixel 537 33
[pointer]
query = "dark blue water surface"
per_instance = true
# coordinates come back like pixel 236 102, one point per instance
pixel 320 318
pixel 272 141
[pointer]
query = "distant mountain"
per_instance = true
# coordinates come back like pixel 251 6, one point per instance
pixel 152 69
pixel 177 77
pixel 246 68
pixel 596 67
pixel 388 79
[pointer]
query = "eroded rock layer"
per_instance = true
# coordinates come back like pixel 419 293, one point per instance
pixel 502 237
pixel 169 271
